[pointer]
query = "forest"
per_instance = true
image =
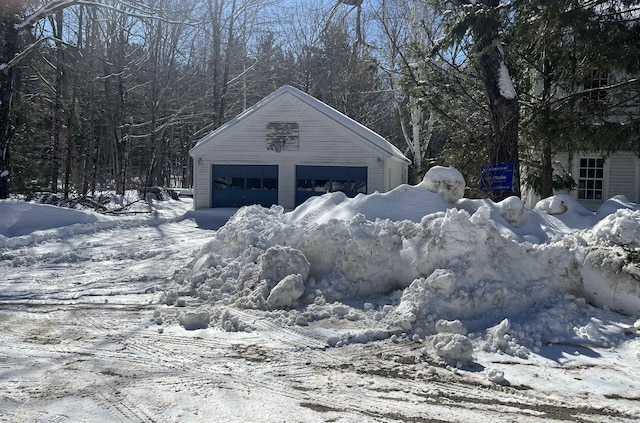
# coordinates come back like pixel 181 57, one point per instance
pixel 102 95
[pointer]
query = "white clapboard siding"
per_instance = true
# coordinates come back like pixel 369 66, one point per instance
pixel 622 175
pixel 326 138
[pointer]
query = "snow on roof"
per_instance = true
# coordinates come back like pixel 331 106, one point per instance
pixel 361 130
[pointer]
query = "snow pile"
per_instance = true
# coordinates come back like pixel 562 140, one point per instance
pixel 441 187
pixel 21 218
pixel 611 265
pixel 25 223
pixel 445 268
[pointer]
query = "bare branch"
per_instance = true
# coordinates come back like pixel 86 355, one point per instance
pixel 23 54
pixel 46 10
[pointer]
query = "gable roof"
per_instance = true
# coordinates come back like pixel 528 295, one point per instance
pixel 361 130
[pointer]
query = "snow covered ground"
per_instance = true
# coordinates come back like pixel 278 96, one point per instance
pixel 413 305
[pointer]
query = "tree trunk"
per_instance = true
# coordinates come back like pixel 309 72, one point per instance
pixel 70 120
pixel 68 163
pixel 546 174
pixel 546 165
pixel 417 117
pixel 9 46
pixel 59 109
pixel 215 14
pixel 503 103
pixel 114 90
pixel 225 75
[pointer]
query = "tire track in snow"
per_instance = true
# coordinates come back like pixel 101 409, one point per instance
pixel 119 404
pixel 97 344
pixel 377 383
pixel 480 400
pixel 449 390
pixel 291 335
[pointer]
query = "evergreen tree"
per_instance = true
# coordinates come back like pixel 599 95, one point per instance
pixel 481 23
pixel 346 78
pixel 577 66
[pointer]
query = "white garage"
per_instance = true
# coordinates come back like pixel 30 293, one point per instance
pixel 287 148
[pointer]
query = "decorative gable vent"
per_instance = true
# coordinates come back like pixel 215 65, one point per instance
pixel 282 136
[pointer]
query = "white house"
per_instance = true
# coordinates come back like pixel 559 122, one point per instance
pixel 599 177
pixel 287 148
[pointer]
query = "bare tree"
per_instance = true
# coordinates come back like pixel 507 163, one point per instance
pixel 11 46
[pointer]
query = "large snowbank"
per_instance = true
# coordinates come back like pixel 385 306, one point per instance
pixel 20 218
pixel 24 223
pixel 420 262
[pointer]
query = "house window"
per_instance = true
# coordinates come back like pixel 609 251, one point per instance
pixel 594 84
pixel 591 179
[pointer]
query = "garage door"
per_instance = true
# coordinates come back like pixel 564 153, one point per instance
pixel 243 185
pixel 318 180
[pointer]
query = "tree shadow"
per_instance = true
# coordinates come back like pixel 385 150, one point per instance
pixel 558 352
pixel 212 219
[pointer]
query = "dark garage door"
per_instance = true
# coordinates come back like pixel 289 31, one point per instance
pixel 318 180
pixel 243 185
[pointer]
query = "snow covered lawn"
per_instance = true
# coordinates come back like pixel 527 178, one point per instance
pixel 414 305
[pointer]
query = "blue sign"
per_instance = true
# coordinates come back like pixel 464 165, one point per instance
pixel 497 177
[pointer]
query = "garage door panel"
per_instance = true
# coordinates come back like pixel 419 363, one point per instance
pixel 318 180
pixel 242 185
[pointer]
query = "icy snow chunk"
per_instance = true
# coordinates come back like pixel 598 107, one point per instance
pixel 453 347
pixel 447 182
pixel 441 280
pixel 230 322
pixel 418 298
pixel 622 228
pixel 592 331
pixel 512 210
pixel 498 336
pixel 301 320
pixel 450 326
pixel 499 339
pixel 496 376
pixel 203 263
pixel 607 282
pixel 195 320
pixel 169 297
pixel 280 261
pixel 557 204
pixel 286 292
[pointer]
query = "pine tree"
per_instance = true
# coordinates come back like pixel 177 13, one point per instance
pixel 560 47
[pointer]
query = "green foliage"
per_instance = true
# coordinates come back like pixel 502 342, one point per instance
pixel 138 92
pixel 562 181
pixel 558 45
pixel 347 78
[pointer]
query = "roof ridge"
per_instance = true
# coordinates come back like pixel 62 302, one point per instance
pixel 368 134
